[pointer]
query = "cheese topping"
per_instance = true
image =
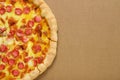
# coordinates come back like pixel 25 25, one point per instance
pixel 24 38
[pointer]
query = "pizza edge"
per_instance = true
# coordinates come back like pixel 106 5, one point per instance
pixel 47 13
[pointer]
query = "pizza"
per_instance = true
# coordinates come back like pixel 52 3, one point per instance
pixel 28 39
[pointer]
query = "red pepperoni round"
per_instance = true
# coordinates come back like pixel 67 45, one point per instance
pixel 27 59
pixel 3 48
pixel 36 48
pixel 35 62
pixel 8 8
pixel 15 72
pixel 15 53
pixel 24 39
pixel 40 59
pixel 21 65
pixel 38 28
pixel 18 11
pixel 2 30
pixel 2 11
pixel 11 33
pixel 28 31
pixel 26 10
pixel 19 33
pixel 11 62
pixel 30 23
pixel 37 18
pixel 5 60
pixel 2 67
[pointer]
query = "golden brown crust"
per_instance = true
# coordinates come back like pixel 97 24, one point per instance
pixel 47 13
pixel 33 74
pixel 27 77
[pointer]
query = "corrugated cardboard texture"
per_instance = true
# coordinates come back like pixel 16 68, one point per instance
pixel 89 40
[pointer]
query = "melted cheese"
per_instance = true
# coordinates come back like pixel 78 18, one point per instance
pixel 11 43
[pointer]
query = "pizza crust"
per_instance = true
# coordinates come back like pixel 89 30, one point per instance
pixel 51 54
pixel 47 13
pixel 27 77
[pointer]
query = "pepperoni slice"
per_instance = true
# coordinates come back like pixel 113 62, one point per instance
pixel 38 28
pixel 27 59
pixel 2 67
pixel 30 23
pixel 2 11
pixel 40 59
pixel 21 65
pixel 24 39
pixel 2 30
pixel 28 31
pixel 19 33
pixel 18 11
pixel 15 72
pixel 36 48
pixel 8 8
pixel 26 10
pixel 37 18
pixel 15 53
pixel 3 48
pixel 5 60
pixel 11 62
pixel 11 33
pixel 35 62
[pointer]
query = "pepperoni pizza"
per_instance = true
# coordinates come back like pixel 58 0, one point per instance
pixel 28 39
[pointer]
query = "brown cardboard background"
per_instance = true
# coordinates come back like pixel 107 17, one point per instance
pixel 89 40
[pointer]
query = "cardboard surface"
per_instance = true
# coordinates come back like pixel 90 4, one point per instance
pixel 89 40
